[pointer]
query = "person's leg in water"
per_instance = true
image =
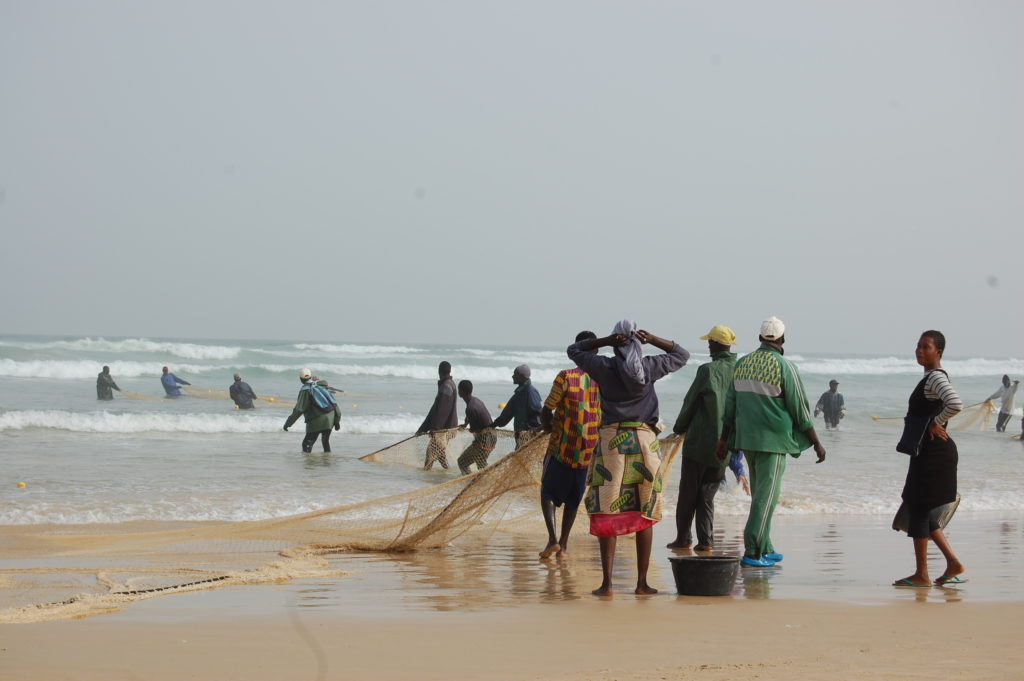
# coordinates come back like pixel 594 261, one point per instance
pixel 325 440
pixel 644 540
pixel 953 565
pixel 547 509
pixel 689 489
pixel 918 530
pixel 568 519
pixel 607 545
pixel 308 441
pixel 436 447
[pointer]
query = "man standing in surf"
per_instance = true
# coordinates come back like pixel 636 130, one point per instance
pixel 767 416
pixel 442 417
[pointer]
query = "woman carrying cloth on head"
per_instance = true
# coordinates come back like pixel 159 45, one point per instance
pixel 624 485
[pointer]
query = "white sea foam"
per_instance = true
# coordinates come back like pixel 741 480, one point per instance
pixel 350 349
pixel 75 369
pixel 426 372
pixel 192 351
pixel 888 366
pixel 110 422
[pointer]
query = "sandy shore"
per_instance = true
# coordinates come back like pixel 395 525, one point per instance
pixel 622 638
pixel 497 612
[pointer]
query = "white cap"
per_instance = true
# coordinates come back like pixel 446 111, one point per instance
pixel 772 329
pixel 305 373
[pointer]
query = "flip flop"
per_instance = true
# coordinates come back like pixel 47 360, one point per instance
pixel 955 579
pixel 907 582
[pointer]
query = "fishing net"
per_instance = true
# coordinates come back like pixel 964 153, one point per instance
pixel 441 446
pixel 979 415
pixel 94 569
pixel 214 394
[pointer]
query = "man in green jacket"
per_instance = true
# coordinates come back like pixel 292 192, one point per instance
pixel 700 419
pixel 318 422
pixel 767 416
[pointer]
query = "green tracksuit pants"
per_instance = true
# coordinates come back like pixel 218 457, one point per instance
pixel 766 469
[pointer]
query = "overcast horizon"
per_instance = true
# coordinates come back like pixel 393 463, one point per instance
pixel 483 173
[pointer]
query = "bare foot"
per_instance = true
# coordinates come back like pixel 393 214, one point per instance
pixel 913 580
pixel 678 545
pixel 954 568
pixel 645 589
pixel 550 550
pixel 603 590
pixel 562 554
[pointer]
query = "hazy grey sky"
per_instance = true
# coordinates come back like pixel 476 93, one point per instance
pixel 512 172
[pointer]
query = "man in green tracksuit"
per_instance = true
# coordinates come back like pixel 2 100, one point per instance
pixel 767 416
pixel 700 419
pixel 318 422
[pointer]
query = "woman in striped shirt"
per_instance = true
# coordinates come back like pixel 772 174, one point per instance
pixel 931 478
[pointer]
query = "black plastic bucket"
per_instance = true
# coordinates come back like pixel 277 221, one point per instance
pixel 705 575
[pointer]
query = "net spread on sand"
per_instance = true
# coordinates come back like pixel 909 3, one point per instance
pixel 86 570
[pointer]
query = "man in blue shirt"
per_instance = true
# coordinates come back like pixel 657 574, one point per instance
pixel 171 383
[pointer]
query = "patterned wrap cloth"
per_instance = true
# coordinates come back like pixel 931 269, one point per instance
pixel 625 481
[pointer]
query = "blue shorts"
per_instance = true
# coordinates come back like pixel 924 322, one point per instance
pixel 561 484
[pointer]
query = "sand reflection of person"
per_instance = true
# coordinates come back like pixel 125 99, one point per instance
pixel 624 485
pixel 931 477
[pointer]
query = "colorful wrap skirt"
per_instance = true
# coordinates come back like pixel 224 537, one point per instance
pixel 624 482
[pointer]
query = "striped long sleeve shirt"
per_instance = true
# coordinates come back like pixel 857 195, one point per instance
pixel 938 387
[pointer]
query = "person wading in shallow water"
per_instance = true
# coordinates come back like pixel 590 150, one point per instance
pixel 442 417
pixel 768 417
pixel 931 477
pixel 572 416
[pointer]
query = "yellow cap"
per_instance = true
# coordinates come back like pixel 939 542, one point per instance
pixel 720 334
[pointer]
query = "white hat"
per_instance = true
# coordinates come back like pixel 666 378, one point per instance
pixel 305 373
pixel 772 329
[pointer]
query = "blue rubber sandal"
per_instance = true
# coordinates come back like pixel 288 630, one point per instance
pixel 907 582
pixel 955 579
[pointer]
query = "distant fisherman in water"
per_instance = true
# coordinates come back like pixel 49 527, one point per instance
pixel 242 393
pixel 105 385
pixel 523 408
pixel 1007 392
pixel 171 383
pixel 831 403
pixel 320 418
pixel 442 417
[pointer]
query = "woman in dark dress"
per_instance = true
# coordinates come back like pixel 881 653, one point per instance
pixel 931 478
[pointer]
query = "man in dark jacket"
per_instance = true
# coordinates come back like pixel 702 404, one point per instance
pixel 105 385
pixel 318 422
pixel 441 419
pixel 700 419
pixel 242 393
pixel 523 408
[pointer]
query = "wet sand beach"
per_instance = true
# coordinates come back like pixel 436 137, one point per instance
pixel 497 612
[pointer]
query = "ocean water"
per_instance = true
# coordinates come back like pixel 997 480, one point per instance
pixel 198 459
